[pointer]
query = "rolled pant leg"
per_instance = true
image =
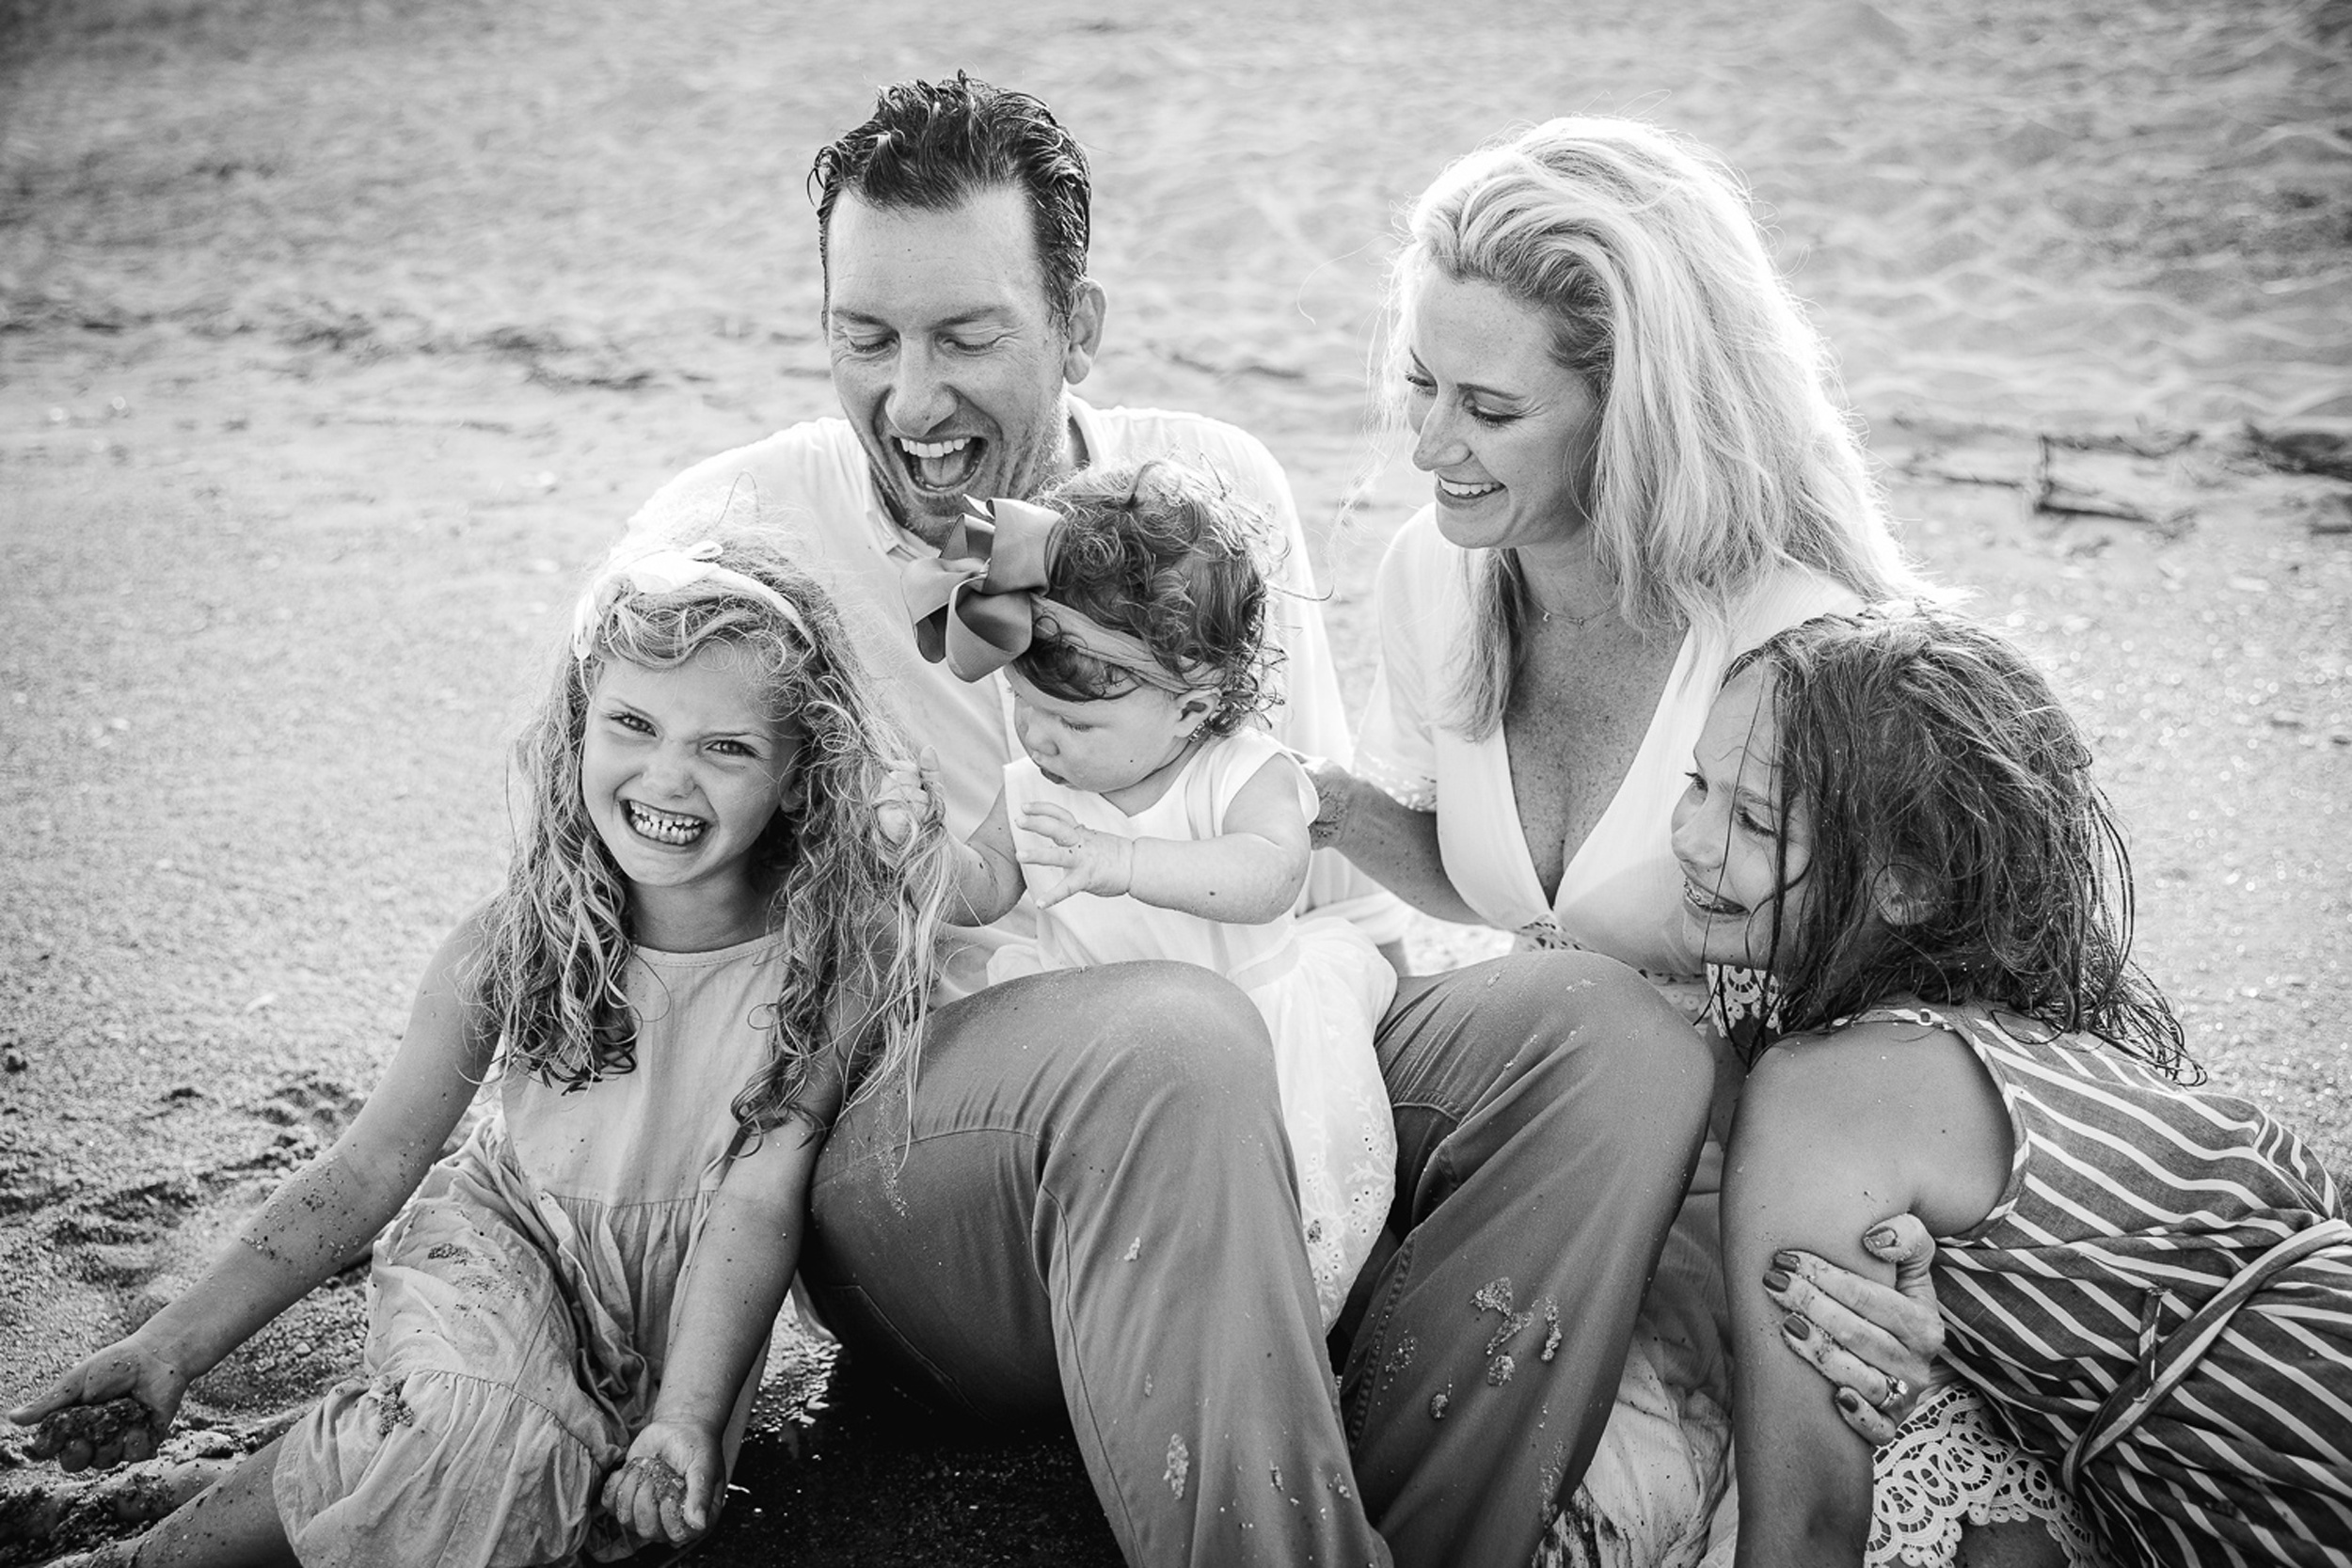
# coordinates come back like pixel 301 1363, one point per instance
pixel 1550 1107
pixel 1089 1208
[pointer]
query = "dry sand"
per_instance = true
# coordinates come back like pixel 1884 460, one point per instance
pixel 335 338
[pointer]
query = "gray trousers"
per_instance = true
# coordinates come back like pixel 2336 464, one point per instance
pixel 1088 1209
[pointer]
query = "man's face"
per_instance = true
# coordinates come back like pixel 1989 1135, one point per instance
pixel 945 353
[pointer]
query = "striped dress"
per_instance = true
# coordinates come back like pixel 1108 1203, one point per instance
pixel 2192 1429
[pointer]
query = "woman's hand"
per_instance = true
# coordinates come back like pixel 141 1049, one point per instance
pixel 910 799
pixel 1096 863
pixel 113 1409
pixel 667 1488
pixel 1876 1344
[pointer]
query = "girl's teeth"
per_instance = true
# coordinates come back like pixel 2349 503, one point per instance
pixel 664 827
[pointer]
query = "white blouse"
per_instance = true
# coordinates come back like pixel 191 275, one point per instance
pixel 1621 891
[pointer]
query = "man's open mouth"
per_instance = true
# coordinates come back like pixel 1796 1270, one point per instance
pixel 663 827
pixel 948 465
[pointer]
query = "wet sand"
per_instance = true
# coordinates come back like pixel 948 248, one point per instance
pixel 335 341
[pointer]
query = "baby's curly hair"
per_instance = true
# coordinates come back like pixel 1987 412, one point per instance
pixel 1165 553
pixel 1927 749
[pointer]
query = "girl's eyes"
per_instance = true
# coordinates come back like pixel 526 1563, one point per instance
pixel 1698 780
pixel 630 722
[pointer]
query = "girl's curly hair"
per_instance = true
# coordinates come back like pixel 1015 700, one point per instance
pixel 1937 769
pixel 860 917
pixel 1167 554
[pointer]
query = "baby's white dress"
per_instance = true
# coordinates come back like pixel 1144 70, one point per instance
pixel 1319 982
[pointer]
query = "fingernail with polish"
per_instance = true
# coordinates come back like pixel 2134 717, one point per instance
pixel 1777 1280
pixel 1849 1400
pixel 1786 1259
pixel 1797 1326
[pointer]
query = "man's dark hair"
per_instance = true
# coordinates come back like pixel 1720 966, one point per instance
pixel 934 145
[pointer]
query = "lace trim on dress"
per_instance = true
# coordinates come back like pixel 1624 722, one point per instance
pixel 1951 1464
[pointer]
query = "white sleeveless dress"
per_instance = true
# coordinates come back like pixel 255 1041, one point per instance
pixel 1319 982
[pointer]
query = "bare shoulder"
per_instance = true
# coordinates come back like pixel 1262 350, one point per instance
pixel 1906 1098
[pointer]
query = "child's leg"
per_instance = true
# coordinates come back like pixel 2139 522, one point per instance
pixel 232 1523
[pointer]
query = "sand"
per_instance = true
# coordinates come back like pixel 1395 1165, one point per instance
pixel 335 340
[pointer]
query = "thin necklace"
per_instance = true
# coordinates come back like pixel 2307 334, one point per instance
pixel 1579 621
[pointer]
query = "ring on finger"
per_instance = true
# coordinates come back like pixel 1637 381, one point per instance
pixel 1898 1390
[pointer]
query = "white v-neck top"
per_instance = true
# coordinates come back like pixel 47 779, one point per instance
pixel 1620 892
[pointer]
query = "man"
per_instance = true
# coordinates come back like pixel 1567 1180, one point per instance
pixel 1087 1206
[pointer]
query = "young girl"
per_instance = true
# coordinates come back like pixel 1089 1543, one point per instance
pixel 701 954
pixel 1149 818
pixel 2147 1287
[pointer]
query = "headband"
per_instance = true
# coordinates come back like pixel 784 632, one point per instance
pixel 654 568
pixel 980 603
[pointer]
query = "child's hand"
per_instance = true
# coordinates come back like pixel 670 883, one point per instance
pixel 665 1489
pixel 910 799
pixel 1102 864
pixel 112 1409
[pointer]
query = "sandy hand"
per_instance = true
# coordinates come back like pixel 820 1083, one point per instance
pixel 1097 863
pixel 910 799
pixel 122 1430
pixel 665 1490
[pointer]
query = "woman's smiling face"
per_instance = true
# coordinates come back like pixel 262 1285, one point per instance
pixel 1507 429
pixel 1744 860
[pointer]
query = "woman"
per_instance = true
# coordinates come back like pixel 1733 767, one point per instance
pixel 1640 472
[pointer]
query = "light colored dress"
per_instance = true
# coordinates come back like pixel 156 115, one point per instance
pixel 519 1308
pixel 1319 982
pixel 1663 1463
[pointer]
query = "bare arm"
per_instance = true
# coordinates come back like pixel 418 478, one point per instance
pixel 1246 876
pixel 987 876
pixel 316 1222
pixel 734 1286
pixel 1391 843
pixel 1833 1135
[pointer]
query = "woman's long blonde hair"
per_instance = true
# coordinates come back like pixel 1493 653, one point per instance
pixel 860 917
pixel 1724 453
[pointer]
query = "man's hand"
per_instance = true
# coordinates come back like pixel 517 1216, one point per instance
pixel 665 1490
pixel 1099 864
pixel 112 1409
pixel 910 799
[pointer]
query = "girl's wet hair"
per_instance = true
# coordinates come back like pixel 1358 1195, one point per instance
pixel 859 918
pixel 1165 553
pixel 1940 774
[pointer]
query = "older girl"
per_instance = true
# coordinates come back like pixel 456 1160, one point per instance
pixel 2148 1285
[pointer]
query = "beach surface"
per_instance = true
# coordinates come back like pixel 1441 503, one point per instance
pixel 337 341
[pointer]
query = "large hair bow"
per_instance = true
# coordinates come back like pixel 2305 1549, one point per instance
pixel 975 605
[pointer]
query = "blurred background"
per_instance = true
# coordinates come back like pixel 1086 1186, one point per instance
pixel 337 337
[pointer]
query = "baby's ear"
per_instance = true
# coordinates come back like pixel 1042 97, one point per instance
pixel 1194 711
pixel 1902 895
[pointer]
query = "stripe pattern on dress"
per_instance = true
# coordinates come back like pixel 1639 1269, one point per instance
pixel 2131 1201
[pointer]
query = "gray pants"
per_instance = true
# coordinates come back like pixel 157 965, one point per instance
pixel 1087 1210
